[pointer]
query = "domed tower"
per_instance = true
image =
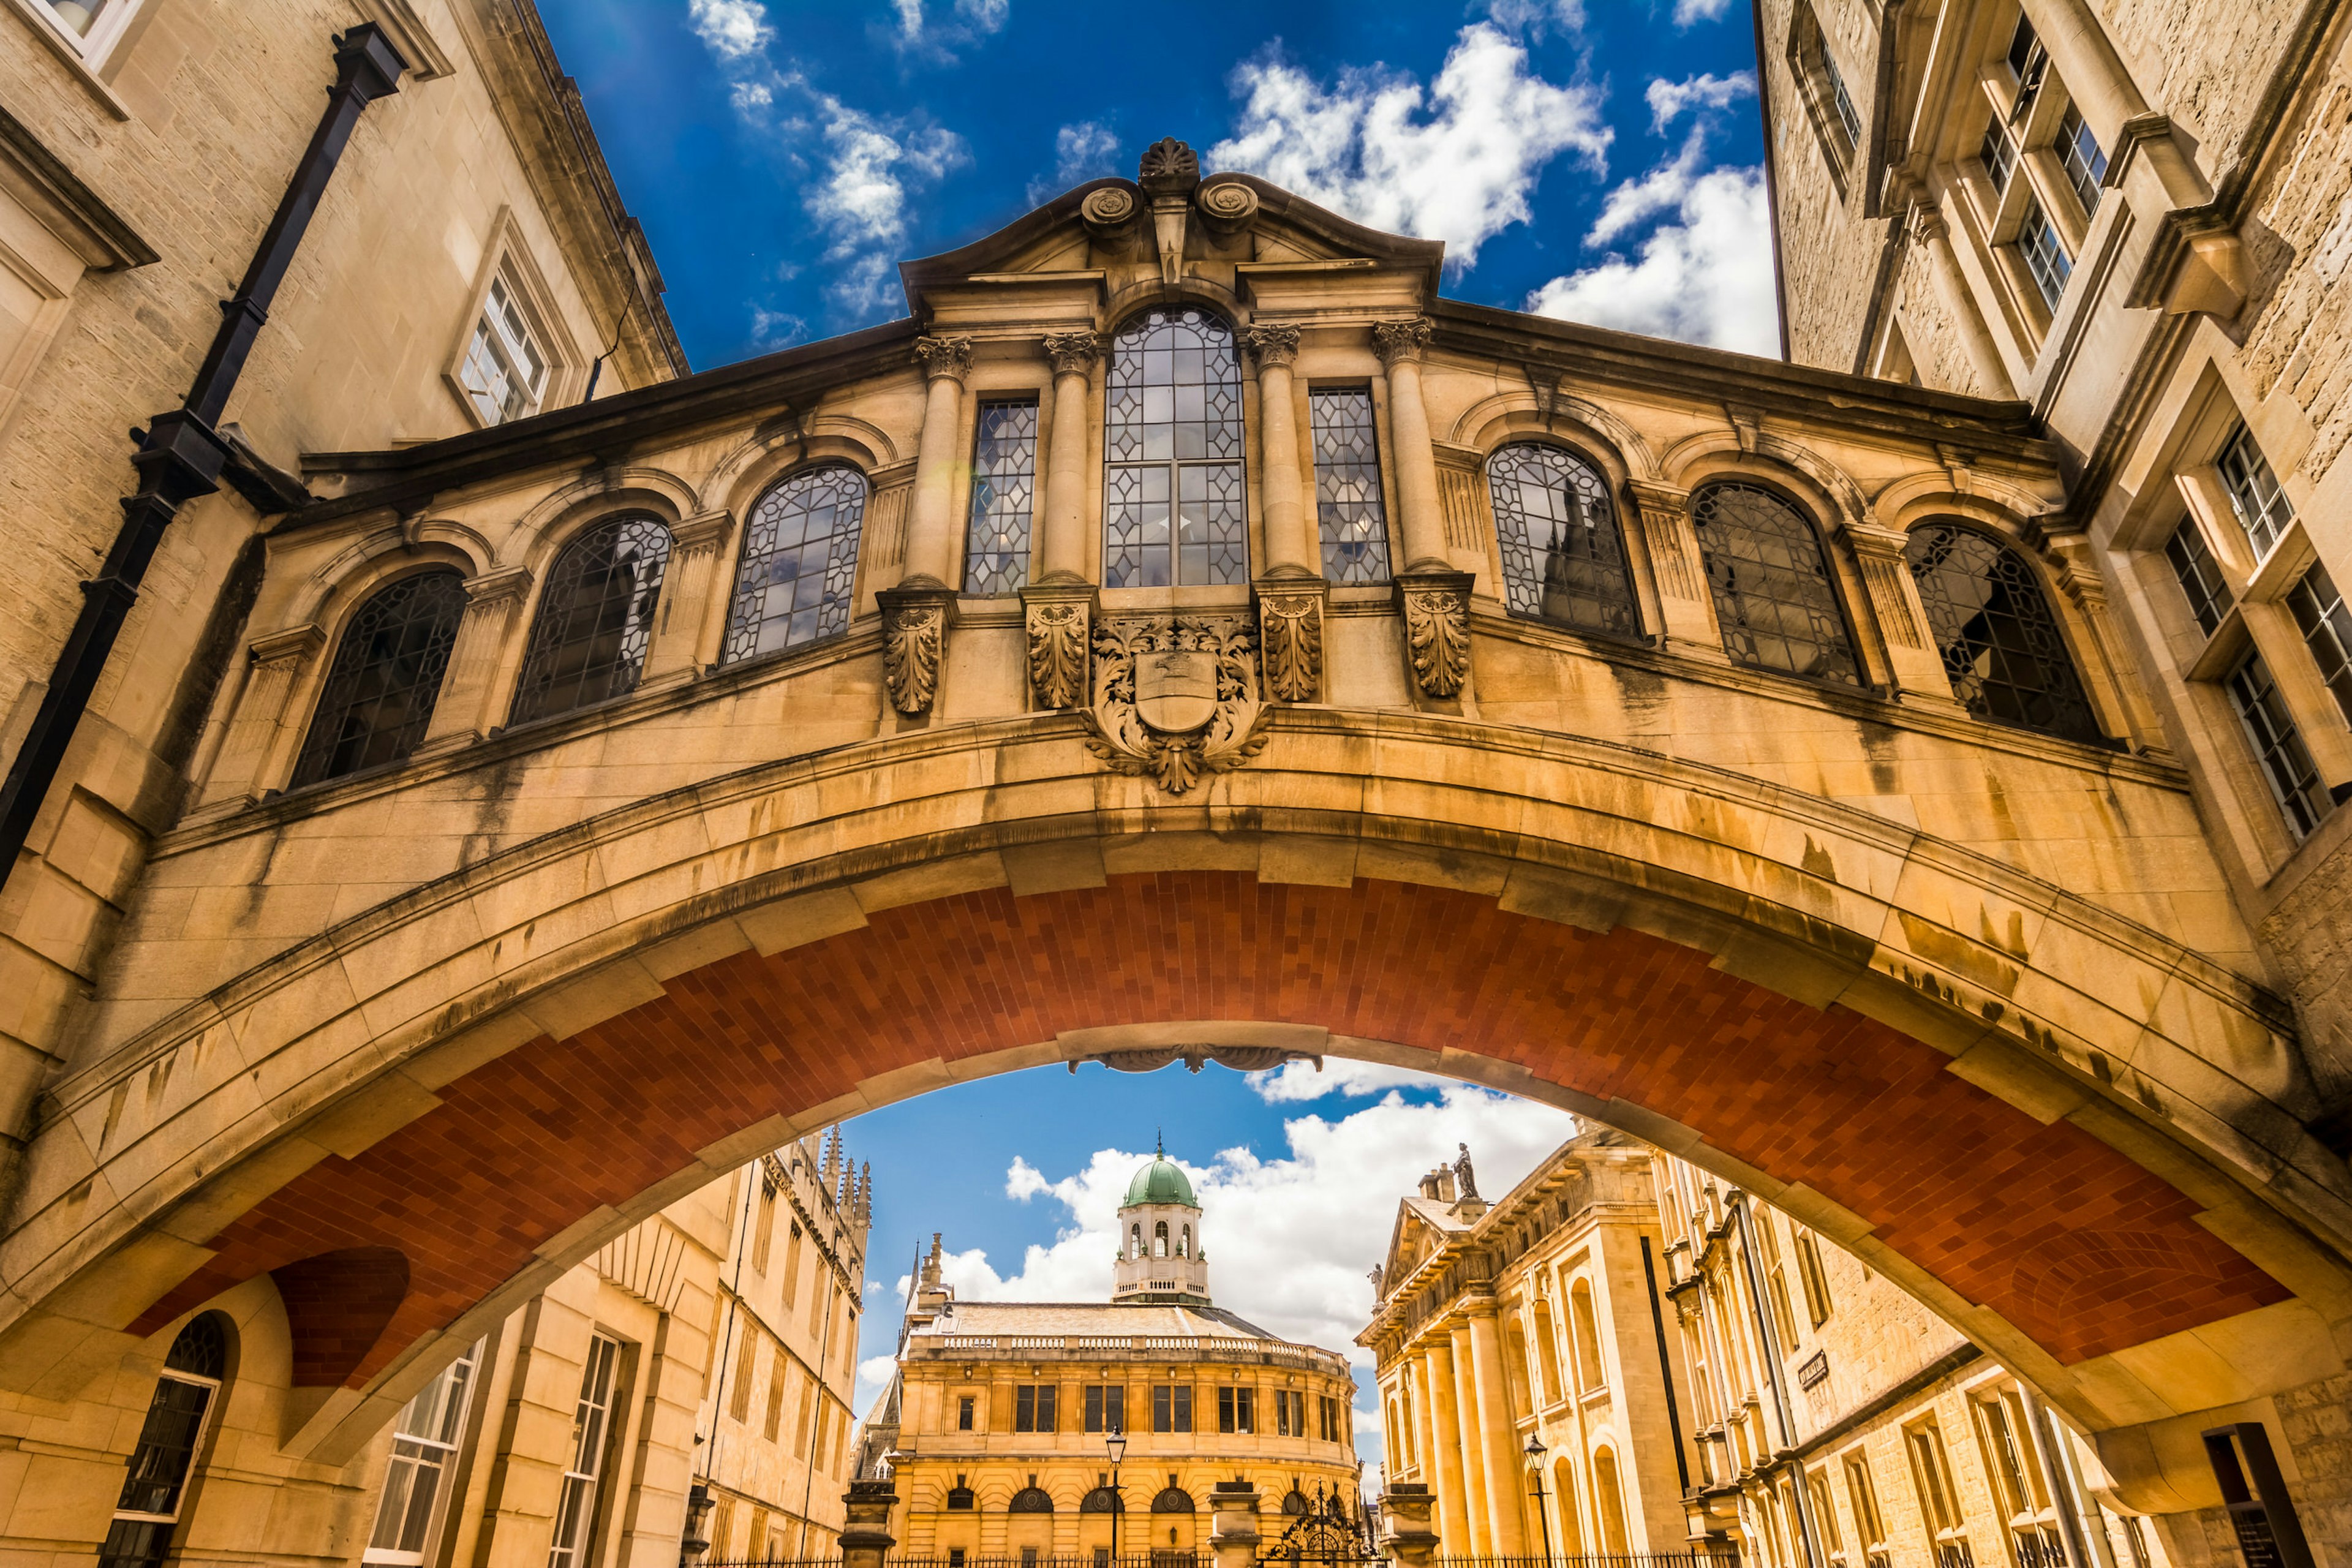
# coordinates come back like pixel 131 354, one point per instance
pixel 1160 1260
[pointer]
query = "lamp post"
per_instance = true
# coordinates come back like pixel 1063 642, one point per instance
pixel 1535 1457
pixel 1115 1441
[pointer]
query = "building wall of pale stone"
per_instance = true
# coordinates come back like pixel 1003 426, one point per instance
pixel 188 133
pixel 787 1312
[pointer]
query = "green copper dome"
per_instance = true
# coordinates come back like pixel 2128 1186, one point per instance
pixel 1160 1182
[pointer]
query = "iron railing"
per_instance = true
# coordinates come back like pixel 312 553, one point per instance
pixel 1601 1560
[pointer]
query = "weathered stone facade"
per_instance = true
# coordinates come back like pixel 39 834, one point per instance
pixel 1646 768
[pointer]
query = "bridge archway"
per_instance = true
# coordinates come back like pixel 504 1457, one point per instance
pixel 2080 1142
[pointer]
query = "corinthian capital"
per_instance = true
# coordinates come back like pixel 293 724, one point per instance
pixel 1271 346
pixel 1073 353
pixel 1407 341
pixel 944 356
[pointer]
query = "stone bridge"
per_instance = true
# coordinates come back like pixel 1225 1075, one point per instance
pixel 1596 718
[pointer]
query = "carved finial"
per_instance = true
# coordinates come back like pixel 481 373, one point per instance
pixel 1170 168
pixel 1394 340
pixel 1073 353
pixel 1271 346
pixel 944 356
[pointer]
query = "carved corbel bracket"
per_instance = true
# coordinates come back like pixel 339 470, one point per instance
pixel 1664 511
pixel 293 646
pixel 1435 602
pixel 916 617
pixel 1290 636
pixel 499 586
pixel 1059 620
pixel 703 531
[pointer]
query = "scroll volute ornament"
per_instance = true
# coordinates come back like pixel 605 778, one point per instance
pixel 1227 205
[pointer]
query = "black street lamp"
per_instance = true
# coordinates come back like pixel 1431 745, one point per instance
pixel 1535 1454
pixel 1115 1441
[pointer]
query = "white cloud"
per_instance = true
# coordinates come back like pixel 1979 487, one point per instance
pixel 1688 12
pixel 1537 16
pixel 1289 1240
pixel 974 19
pixel 1297 1082
pixel 776 329
pixel 1085 151
pixel 731 28
pixel 863 166
pixel 1456 163
pixel 1702 92
pixel 1664 189
pixel 873 1376
pixel 1706 278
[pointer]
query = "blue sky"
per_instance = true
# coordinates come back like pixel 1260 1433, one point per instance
pixel 1592 159
pixel 1298 1172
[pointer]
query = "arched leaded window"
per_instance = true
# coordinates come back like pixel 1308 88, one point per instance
pixel 1994 627
pixel 1030 1500
pixel 1773 593
pixel 1172 502
pixel 155 1493
pixel 799 571
pixel 595 618
pixel 1563 555
pixel 1293 1502
pixel 1173 1499
pixel 378 693
pixel 1102 1499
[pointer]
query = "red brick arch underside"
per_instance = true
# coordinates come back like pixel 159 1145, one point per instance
pixel 2080 1249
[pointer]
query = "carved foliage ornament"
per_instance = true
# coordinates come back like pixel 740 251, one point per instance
pixel 1271 346
pixel 1072 353
pixel 1057 654
pixel 1437 633
pixel 944 356
pixel 1291 627
pixel 914 641
pixel 1400 341
pixel 1176 698
pixel 1169 167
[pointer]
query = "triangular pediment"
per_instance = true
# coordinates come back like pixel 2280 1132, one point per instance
pixel 1229 233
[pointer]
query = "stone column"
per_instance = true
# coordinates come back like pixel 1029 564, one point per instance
pixel 1663 514
pixel 249 755
pixel 1432 593
pixel 1291 593
pixel 1441 1440
pixel 865 1538
pixel 1405 1534
pixel 1496 1444
pixel 917 613
pixel 1465 1432
pixel 1058 608
pixel 1232 1524
pixel 467 709
pixel 2079 578
pixel 696 548
pixel 1928 227
pixel 1894 604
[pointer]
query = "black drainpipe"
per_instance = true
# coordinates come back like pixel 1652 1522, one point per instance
pixel 180 454
pixel 1665 1367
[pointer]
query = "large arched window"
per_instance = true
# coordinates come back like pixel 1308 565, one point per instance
pixel 1102 1499
pixel 595 618
pixel 154 1494
pixel 799 572
pixel 1173 1499
pixel 378 696
pixel 1563 556
pixel 1173 506
pixel 1030 1500
pixel 1994 627
pixel 1773 593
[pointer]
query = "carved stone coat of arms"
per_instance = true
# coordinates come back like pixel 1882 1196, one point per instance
pixel 1177 697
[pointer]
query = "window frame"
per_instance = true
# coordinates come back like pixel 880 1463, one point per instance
pixel 2242 465
pixel 205 1428
pixel 2311 789
pixel 1381 549
pixel 1603 492
pixel 2326 629
pixel 1015 575
pixel 365 600
pixel 649 620
pixel 1840 589
pixel 584 1489
pixel 110 26
pixel 740 597
pixel 463 1374
pixel 507 259
pixel 2216 599
pixel 1175 466
pixel 2050 278
pixel 2065 687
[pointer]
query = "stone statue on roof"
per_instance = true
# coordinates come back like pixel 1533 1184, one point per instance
pixel 1465 1180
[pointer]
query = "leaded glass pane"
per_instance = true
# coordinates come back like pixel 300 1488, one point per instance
pixel 1999 642
pixel 799 572
pixel 2200 575
pixel 1348 510
pixel 1847 117
pixel 1563 557
pixel 378 696
pixel 1004 496
pixel 595 618
pixel 2278 745
pixel 1773 594
pixel 1172 434
pixel 2262 509
pixel 1999 155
